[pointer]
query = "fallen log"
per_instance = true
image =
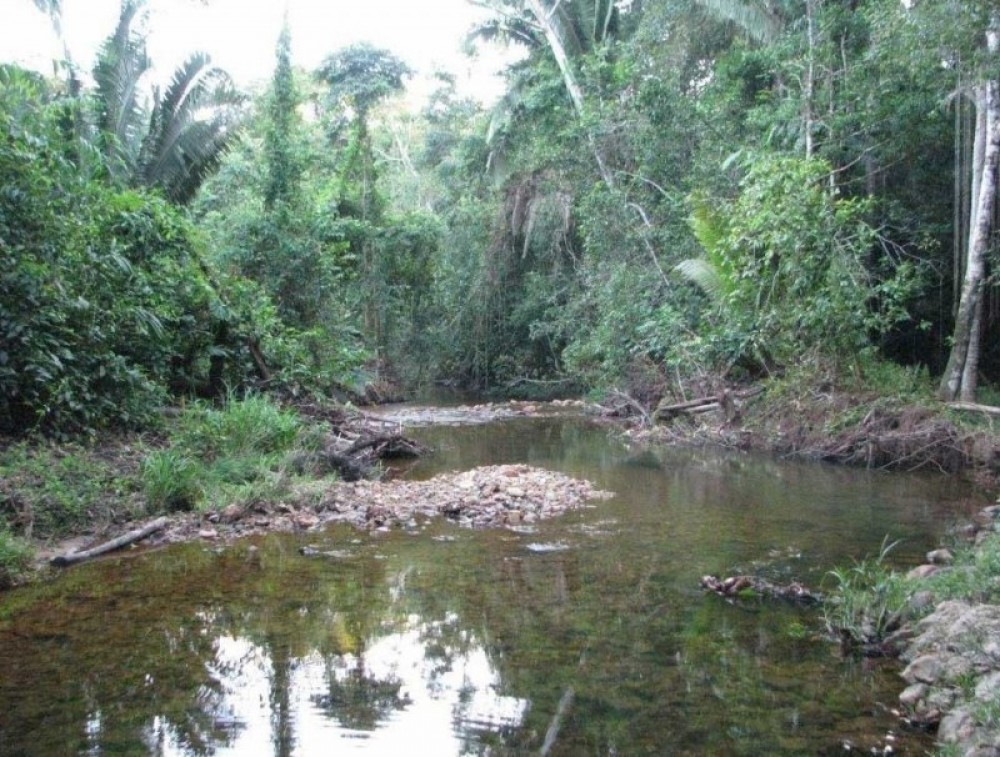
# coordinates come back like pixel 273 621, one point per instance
pixel 974 407
pixel 61 561
pixel 349 468
pixel 724 400
pixel 392 445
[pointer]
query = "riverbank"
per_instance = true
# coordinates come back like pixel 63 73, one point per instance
pixel 953 602
pixel 253 467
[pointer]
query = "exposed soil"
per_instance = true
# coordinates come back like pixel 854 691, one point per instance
pixel 833 426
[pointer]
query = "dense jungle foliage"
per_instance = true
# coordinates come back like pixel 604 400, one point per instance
pixel 665 191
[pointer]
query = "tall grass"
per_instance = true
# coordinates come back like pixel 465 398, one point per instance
pixel 974 575
pixel 866 599
pixel 223 456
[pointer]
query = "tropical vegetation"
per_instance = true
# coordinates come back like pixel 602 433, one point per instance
pixel 665 192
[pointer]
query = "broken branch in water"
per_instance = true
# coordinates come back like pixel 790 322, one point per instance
pixel 741 586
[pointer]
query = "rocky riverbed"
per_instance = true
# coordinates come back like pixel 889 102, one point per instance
pixel 953 655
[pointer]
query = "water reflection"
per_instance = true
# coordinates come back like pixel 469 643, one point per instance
pixel 410 687
pixel 582 635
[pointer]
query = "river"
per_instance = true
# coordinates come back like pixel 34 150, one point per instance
pixel 585 634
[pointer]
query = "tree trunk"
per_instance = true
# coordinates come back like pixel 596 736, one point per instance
pixel 958 380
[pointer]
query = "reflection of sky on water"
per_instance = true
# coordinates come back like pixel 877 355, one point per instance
pixel 423 701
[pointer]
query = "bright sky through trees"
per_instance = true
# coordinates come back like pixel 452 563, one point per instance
pixel 240 34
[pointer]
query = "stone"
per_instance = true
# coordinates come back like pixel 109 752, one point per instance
pixel 940 557
pixel 920 600
pixel 912 695
pixel 232 513
pixel 926 669
pixel 941 699
pixel 957 726
pixel 306 520
pixel 983 751
pixel 208 533
pixel 922 571
pixel 988 687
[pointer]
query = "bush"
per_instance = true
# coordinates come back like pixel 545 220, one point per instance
pixel 49 490
pixel 974 575
pixel 252 425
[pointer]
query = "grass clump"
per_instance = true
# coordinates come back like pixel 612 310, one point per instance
pixel 171 481
pixel 251 426
pixel 218 457
pixel 15 558
pixel 867 601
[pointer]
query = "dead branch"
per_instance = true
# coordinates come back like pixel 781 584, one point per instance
pixel 61 561
pixel 973 407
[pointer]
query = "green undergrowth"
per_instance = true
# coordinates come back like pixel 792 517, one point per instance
pixel 974 575
pixel 867 600
pixel 16 555
pixel 238 454
pixel 48 490
pixel 206 457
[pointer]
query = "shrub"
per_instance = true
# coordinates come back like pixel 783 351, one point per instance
pixel 252 425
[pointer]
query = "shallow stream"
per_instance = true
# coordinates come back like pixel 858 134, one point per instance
pixel 586 634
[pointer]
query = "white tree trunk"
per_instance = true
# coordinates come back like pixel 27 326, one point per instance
pixel 959 379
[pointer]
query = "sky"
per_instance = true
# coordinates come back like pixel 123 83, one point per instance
pixel 240 35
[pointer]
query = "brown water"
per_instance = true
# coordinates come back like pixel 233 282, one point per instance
pixel 586 635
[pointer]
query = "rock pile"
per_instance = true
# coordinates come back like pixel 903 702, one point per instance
pixel 954 674
pixel 487 496
pixel 501 495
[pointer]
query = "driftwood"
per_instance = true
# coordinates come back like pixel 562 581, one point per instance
pixel 741 586
pixel 388 445
pixel 349 468
pixel 61 561
pixel 625 406
pixel 724 400
pixel 357 460
pixel 973 407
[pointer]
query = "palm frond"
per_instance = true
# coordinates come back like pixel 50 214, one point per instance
pixel 704 275
pixel 507 31
pixel 751 16
pixel 52 9
pixel 121 113
pixel 190 126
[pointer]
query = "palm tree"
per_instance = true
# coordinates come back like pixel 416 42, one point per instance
pixel 173 139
